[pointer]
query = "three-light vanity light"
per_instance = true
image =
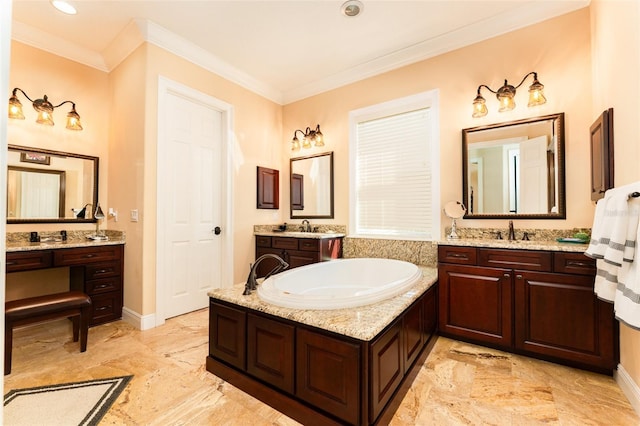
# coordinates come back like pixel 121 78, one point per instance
pixel 44 109
pixel 310 137
pixel 506 95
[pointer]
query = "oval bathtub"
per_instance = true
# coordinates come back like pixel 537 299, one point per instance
pixel 340 283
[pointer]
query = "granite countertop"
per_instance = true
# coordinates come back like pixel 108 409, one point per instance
pixel 19 241
pixel 363 323
pixel 516 244
pixel 296 234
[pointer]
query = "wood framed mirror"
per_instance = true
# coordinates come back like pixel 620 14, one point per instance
pixel 515 169
pixel 311 183
pixel 45 186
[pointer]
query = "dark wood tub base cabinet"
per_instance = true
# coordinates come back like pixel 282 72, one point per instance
pixel 315 376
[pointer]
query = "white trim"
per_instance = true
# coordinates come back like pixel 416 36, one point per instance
pixel 141 322
pixel 167 86
pixel 630 388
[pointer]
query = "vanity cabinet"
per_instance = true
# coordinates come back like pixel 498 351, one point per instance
pixel 538 303
pixel 296 251
pixel 96 271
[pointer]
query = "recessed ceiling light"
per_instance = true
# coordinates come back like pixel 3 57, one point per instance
pixel 352 8
pixel 64 7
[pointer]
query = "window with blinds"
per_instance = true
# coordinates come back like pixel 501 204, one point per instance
pixel 394 174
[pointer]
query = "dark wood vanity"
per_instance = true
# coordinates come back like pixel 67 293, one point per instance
pixel 97 270
pixel 534 302
pixel 316 376
pixel 296 251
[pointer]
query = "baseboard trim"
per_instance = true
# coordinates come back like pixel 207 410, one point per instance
pixel 141 322
pixel 630 388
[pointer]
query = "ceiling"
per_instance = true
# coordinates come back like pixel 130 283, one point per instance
pixel 283 50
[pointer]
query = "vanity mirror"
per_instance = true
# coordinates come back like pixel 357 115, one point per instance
pixel 312 187
pixel 46 186
pixel 515 169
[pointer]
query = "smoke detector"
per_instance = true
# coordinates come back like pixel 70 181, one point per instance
pixel 352 8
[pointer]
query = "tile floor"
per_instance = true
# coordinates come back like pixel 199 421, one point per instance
pixel 459 384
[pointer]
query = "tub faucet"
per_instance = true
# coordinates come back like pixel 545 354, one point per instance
pixel 252 284
pixel 512 232
pixel 306 226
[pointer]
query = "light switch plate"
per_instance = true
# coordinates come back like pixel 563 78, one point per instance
pixel 134 215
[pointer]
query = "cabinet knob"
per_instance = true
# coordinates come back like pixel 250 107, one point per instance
pixel 506 275
pixel 518 277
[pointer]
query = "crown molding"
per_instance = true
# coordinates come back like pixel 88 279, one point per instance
pixel 58 46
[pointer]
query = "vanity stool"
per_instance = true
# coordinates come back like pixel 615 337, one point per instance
pixel 75 304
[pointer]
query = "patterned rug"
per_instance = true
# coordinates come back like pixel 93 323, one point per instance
pixel 81 403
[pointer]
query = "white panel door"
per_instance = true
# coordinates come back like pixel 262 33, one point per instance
pixel 192 194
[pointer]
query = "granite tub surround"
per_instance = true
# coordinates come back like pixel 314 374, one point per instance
pixel 19 241
pixel 417 252
pixel 363 323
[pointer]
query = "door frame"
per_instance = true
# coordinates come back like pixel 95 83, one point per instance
pixel 166 87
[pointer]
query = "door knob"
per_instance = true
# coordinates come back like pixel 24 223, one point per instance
pixel 217 230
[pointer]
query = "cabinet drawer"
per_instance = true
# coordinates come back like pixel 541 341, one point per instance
pixel 102 270
pixel 29 260
pixel 263 241
pixel 573 263
pixel 453 254
pixel 309 244
pixel 106 307
pixel 285 243
pixel 515 259
pixel 82 256
pixel 103 285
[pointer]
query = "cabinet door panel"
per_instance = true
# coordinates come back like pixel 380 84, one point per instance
pixel 327 374
pixel 476 303
pixel 267 264
pixel 227 334
pixel 387 367
pixel 559 315
pixel 270 351
pixel 413 334
pixel 301 258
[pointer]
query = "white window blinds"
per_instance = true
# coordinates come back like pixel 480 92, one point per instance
pixel 394 175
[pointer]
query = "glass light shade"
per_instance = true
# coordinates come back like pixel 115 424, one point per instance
pixel 44 117
pixel 295 144
pixel 15 108
pixel 306 143
pixel 319 138
pixel 536 94
pixel 479 107
pixel 73 120
pixel 507 103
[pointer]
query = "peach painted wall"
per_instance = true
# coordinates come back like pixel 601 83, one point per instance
pixel 616 67
pixel 257 129
pixel 558 49
pixel 38 73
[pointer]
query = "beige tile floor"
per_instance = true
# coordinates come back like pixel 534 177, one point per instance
pixel 459 384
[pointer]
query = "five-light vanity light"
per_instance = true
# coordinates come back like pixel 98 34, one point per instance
pixel 310 137
pixel 44 109
pixel 506 95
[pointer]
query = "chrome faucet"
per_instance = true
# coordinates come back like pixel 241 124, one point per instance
pixel 306 226
pixel 512 232
pixel 251 283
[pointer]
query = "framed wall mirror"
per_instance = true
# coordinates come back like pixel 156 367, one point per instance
pixel 46 186
pixel 311 184
pixel 515 169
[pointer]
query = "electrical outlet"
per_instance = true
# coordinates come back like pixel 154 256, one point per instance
pixel 134 215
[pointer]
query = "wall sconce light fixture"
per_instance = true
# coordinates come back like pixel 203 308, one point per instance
pixel 506 95
pixel 309 138
pixel 44 109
